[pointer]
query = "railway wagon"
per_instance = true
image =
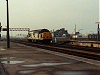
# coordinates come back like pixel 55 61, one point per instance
pixel 40 36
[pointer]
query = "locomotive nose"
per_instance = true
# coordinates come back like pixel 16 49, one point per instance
pixel 47 35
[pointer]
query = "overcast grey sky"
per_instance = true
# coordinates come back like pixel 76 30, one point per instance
pixel 52 14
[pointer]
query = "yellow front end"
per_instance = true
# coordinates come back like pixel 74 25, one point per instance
pixel 46 36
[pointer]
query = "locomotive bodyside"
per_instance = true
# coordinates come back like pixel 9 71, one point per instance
pixel 40 36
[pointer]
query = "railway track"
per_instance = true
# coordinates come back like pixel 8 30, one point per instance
pixel 86 52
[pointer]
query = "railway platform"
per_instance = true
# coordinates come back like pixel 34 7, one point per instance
pixel 20 59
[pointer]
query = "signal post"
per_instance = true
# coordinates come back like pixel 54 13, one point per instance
pixel 0 30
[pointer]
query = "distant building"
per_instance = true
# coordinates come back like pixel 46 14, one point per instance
pixel 91 35
pixel 21 36
pixel 85 35
pixel 61 33
pixel 75 35
pixel 3 36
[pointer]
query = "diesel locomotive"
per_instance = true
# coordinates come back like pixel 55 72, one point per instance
pixel 40 36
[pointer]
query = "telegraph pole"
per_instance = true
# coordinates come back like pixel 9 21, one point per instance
pixel 8 40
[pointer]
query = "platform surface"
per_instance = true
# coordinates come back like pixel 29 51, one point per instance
pixel 25 60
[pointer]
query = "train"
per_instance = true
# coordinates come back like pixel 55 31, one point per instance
pixel 39 36
pixel 78 36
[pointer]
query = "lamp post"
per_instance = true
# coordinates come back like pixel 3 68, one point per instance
pixel 98 30
pixel 8 40
pixel 75 31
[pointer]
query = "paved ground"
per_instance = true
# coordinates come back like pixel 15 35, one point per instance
pixel 24 60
